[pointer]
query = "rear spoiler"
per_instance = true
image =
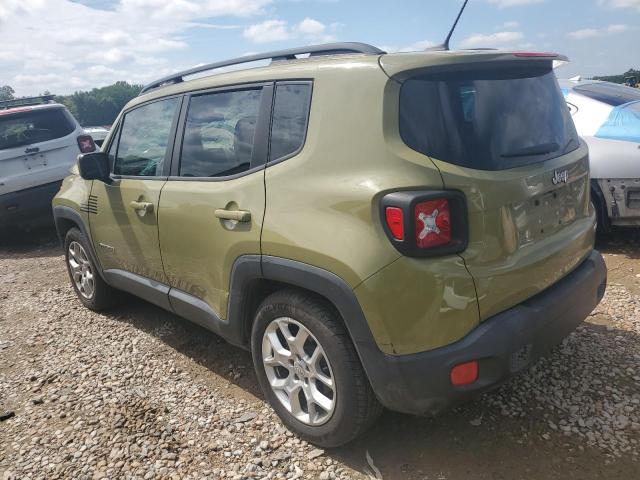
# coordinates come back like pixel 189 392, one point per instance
pixel 400 66
pixel 26 101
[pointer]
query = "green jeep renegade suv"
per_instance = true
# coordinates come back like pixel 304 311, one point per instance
pixel 380 230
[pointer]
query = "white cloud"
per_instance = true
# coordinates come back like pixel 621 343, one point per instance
pixel 617 28
pixel 277 30
pixel 586 33
pixel 267 31
pixel 413 47
pixel 491 39
pixel 309 26
pixel 621 3
pixel 513 3
pixel 583 33
pixel 509 26
pixel 74 46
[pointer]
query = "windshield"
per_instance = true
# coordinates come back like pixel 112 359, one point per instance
pixel 33 126
pixel 487 119
pixel 609 93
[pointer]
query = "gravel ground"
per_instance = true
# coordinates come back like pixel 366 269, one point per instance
pixel 139 393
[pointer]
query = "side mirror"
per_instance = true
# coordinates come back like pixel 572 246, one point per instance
pixel 94 166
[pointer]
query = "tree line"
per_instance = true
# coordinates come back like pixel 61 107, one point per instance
pixel 620 78
pixel 99 106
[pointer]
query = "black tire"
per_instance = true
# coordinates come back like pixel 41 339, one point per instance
pixel 356 406
pixel 603 227
pixel 103 296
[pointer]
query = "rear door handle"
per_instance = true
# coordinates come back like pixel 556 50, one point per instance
pixel 142 207
pixel 237 215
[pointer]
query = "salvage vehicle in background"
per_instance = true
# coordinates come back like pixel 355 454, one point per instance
pixel 39 143
pixel 403 230
pixel 97 133
pixel 607 116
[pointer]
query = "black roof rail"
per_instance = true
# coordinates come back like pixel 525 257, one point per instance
pixel 288 54
pixel 26 101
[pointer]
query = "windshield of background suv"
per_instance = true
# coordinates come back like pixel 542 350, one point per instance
pixel 33 126
pixel 487 119
pixel 614 95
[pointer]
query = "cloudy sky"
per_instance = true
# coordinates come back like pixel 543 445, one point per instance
pixel 68 45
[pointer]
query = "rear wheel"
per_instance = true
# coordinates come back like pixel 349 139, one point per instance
pixel 309 371
pixel 89 286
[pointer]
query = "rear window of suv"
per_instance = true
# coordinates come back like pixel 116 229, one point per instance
pixel 487 119
pixel 34 126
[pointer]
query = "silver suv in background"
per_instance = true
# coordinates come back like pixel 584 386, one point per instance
pixel 607 116
pixel 39 143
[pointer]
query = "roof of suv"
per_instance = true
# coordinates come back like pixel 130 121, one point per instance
pixel 27 108
pixel 287 66
pixel 281 69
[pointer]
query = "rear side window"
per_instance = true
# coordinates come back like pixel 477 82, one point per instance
pixel 614 95
pixel 290 117
pixel 144 138
pixel 219 133
pixel 34 126
pixel 487 120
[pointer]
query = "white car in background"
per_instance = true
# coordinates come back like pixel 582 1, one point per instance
pixel 97 133
pixel 39 143
pixel 607 116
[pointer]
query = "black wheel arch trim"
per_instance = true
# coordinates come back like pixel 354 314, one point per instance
pixel 324 283
pixel 60 213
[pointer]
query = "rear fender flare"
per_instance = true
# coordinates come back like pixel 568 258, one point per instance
pixel 322 282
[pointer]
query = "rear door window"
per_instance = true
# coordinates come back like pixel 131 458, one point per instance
pixel 219 133
pixel 144 139
pixel 290 118
pixel 487 120
pixel 34 126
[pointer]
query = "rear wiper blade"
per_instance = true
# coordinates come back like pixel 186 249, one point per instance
pixel 541 149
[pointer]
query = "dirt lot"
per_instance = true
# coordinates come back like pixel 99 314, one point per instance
pixel 140 393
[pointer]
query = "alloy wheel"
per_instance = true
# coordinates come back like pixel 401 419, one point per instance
pixel 298 371
pixel 81 270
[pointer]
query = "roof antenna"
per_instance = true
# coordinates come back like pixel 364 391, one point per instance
pixel 445 46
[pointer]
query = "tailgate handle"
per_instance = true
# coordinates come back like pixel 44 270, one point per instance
pixel 142 207
pixel 237 215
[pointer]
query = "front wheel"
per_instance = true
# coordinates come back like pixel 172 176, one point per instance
pixel 89 286
pixel 309 371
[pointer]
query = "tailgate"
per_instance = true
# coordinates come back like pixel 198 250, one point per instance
pixel 525 232
pixel 37 146
pixel 498 128
pixel 21 168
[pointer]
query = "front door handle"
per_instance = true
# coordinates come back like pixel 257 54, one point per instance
pixel 142 207
pixel 237 215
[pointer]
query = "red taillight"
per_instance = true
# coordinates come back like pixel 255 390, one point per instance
pixel 15 110
pixel 86 144
pixel 433 223
pixel 464 374
pixel 395 222
pixel 535 54
pixel 425 223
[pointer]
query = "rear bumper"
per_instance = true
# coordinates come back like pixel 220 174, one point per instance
pixel 28 207
pixel 503 345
